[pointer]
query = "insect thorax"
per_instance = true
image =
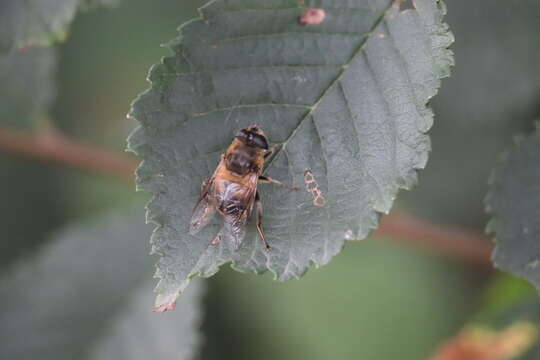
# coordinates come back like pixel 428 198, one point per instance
pixel 242 160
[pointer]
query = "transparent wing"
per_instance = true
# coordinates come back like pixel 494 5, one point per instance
pixel 234 226
pixel 233 230
pixel 203 213
pixel 205 209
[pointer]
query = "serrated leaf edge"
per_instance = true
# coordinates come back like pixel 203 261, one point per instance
pixel 445 62
pixel 494 224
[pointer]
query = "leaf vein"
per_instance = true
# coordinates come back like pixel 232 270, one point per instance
pixel 292 34
pixel 357 138
pixel 326 210
pixel 349 9
pixel 250 68
pixel 387 107
pixel 358 50
pixel 249 106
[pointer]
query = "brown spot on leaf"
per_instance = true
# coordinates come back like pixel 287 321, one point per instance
pixel 312 187
pixel 312 16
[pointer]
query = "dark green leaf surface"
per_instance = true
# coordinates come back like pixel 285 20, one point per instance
pixel 513 201
pixel 346 99
pixel 91 4
pixel 26 85
pixel 91 278
pixel 38 22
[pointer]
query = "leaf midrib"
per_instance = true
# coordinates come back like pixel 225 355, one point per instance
pixel 344 68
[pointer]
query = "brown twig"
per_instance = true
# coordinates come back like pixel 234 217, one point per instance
pixel 52 146
pixel 469 246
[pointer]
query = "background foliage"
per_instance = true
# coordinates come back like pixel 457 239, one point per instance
pixel 376 300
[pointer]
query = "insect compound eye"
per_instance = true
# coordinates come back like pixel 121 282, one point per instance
pixel 244 134
pixel 260 142
pixel 252 138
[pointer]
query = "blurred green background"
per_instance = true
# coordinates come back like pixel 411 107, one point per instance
pixel 377 300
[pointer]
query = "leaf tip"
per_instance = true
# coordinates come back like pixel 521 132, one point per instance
pixel 165 307
pixel 166 302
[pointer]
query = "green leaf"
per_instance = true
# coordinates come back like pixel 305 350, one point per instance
pixel 89 283
pixel 26 85
pixel 346 100
pixel 164 337
pixel 513 201
pixel 38 22
pixel 503 293
pixel 92 4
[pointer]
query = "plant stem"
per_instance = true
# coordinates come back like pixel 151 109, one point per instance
pixel 52 146
pixel 469 246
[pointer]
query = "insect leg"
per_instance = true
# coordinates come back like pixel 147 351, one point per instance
pixel 269 180
pixel 271 151
pixel 259 220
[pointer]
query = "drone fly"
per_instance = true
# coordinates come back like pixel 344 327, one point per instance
pixel 232 189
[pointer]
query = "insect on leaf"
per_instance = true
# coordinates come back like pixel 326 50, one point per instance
pixel 344 94
pixel 513 201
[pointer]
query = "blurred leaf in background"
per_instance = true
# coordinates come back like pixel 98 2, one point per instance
pixel 37 22
pixel 513 201
pixel 31 23
pixel 28 208
pixel 138 333
pixel 59 303
pixel 104 65
pixel 494 92
pixel 27 86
